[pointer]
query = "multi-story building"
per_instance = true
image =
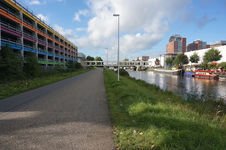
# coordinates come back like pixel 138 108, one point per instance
pixel 176 44
pixel 219 43
pixel 25 32
pixel 197 45
pixel 143 58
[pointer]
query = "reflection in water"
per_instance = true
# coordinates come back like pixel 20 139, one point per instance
pixel 214 88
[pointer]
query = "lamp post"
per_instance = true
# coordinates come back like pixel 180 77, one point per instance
pixel 117 15
pixel 107 59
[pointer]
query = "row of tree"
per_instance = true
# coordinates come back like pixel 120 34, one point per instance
pixel 181 59
pixel 90 58
pixel 11 65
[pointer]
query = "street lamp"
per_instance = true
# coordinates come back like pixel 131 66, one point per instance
pixel 117 15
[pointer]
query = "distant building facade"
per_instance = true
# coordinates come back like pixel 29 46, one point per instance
pixel 197 45
pixel 81 58
pixel 176 44
pixel 218 43
pixel 143 58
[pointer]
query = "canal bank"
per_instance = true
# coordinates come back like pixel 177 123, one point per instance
pixel 146 117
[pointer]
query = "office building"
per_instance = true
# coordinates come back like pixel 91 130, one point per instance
pixel 176 44
pixel 197 45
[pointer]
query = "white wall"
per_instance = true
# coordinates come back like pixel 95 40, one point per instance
pixel 201 53
pixel 153 61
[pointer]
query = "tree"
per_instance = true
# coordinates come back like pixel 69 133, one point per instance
pixel 10 64
pixel 194 58
pixel 89 58
pixel 32 67
pixel 212 55
pixel 126 59
pixel 98 58
pixel 222 64
pixel 169 60
pixel 70 64
pixel 157 61
pixel 181 59
pixel 78 65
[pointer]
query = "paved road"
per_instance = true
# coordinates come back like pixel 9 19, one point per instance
pixel 71 114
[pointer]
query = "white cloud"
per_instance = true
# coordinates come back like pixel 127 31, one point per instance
pixel 67 33
pixel 80 29
pixel 80 12
pixel 143 23
pixel 36 2
pixel 44 18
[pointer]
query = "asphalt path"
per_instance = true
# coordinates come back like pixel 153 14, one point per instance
pixel 71 114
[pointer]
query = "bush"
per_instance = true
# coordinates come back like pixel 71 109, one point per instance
pixel 122 72
pixel 78 65
pixel 32 67
pixel 10 64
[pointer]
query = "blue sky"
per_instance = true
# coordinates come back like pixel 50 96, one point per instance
pixel 145 25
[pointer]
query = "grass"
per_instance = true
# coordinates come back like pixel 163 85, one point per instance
pixel 8 89
pixel 146 117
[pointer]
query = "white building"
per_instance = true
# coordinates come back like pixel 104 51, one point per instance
pixel 201 53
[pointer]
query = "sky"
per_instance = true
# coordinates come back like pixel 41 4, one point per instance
pixel 145 25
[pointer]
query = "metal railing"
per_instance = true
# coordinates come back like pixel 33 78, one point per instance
pixel 28 22
pixel 40 49
pixel 30 35
pixel 50 35
pixel 41 40
pixel 11 41
pixel 10 12
pixel 40 29
pixel 28 46
pixel 50 44
pixel 50 52
pixel 9 26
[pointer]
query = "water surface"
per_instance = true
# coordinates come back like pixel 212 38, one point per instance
pixel 180 85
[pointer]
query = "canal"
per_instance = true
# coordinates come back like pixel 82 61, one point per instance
pixel 182 85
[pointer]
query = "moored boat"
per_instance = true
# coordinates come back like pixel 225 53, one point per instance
pixel 189 74
pixel 205 74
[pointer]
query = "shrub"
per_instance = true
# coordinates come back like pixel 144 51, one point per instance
pixel 78 65
pixel 122 72
pixel 10 65
pixel 32 67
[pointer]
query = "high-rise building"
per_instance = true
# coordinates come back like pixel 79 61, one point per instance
pixel 23 31
pixel 176 44
pixel 197 45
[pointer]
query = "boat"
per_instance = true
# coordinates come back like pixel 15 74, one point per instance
pixel 205 74
pixel 174 72
pixel 188 73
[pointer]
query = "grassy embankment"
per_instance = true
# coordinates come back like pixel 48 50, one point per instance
pixel 146 117
pixel 8 89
